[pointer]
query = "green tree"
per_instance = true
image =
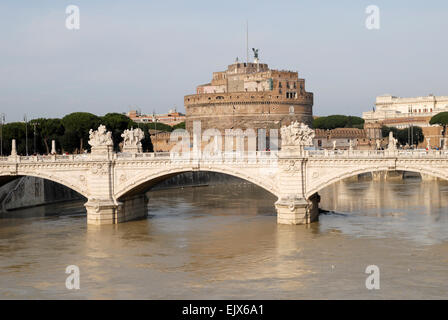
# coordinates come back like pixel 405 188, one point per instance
pixel 48 129
pixel 159 126
pixel 179 126
pixel 14 130
pixel 147 145
pixel 440 119
pixel 338 121
pixel 77 126
pixel 117 123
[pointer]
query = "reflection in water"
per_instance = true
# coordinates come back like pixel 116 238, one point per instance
pixel 223 242
pixel 410 209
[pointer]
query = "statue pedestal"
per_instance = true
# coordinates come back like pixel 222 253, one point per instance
pixel 391 152
pixel 292 152
pixel 102 152
pixel 132 149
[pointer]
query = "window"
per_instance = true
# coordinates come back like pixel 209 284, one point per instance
pixel 291 110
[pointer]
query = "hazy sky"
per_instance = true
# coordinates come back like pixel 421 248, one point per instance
pixel 151 53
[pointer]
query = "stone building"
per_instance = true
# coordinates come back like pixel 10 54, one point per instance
pixel 161 140
pixel 249 95
pixel 404 113
pixel 341 138
pixel 417 110
pixel 373 130
pixel 171 118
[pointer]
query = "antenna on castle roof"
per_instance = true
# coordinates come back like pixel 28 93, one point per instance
pixel 247 41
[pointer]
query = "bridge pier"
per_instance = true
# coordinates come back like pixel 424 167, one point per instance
pixel 101 212
pixel 298 210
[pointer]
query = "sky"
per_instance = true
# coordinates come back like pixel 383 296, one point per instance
pixel 149 54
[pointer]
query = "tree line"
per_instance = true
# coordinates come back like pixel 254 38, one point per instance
pixel 71 133
pixel 416 134
pixel 338 121
pixel 404 136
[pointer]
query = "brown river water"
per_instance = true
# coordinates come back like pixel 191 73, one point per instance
pixel 222 242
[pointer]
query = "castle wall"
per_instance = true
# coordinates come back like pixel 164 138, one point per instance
pixel 264 110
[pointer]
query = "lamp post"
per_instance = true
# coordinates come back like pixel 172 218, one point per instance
pixel 26 134
pixel 154 119
pixel 2 122
pixel 34 125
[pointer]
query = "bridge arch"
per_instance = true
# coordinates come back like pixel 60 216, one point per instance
pixel 7 177
pixel 145 181
pixel 319 184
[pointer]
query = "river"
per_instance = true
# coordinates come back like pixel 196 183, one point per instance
pixel 222 242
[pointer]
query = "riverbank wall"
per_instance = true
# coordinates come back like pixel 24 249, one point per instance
pixel 28 191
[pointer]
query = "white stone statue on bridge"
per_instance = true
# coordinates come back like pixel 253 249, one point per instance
pixel 132 140
pixel 296 135
pixel 101 140
pixel 392 146
pixel 100 137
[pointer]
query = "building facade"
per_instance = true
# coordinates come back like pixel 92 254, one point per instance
pixel 171 118
pixel 404 113
pixel 249 95
pixel 344 138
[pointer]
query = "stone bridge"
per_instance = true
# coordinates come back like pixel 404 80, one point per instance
pixel 115 183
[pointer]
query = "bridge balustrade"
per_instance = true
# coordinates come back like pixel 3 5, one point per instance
pixel 236 157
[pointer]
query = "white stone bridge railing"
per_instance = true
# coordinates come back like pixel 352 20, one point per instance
pixel 235 156
pixel 224 156
pixel 377 153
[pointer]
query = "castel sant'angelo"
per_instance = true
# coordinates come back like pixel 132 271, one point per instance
pixel 249 95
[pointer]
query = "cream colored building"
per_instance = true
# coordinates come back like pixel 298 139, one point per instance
pixel 403 112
